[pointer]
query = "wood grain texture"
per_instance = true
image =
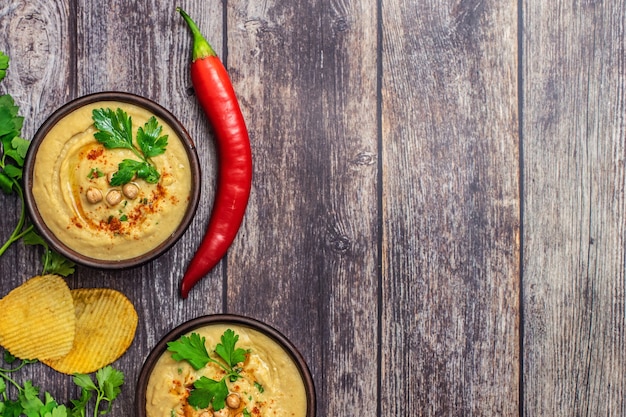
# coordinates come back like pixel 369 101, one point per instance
pixel 307 80
pixel 390 201
pixel 574 297
pixel 450 334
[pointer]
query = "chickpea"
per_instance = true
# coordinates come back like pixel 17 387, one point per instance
pixel 93 195
pixel 205 414
pixel 233 400
pixel 114 197
pixel 130 190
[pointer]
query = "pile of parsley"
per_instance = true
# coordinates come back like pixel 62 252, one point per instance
pixel 29 402
pixel 14 149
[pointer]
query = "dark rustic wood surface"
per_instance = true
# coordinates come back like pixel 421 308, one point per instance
pixel 437 214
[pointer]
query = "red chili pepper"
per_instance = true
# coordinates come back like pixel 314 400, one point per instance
pixel 218 100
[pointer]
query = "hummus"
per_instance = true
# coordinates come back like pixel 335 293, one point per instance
pixel 270 383
pixel 71 167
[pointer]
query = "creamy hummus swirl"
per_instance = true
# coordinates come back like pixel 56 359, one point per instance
pixel 70 164
pixel 268 366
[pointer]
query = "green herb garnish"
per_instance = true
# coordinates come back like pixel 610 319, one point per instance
pixel 95 173
pixel 207 391
pixel 29 401
pixel 4 65
pixel 14 149
pixel 192 349
pixel 227 350
pixel 12 162
pixel 106 388
pixel 115 132
pixel 53 263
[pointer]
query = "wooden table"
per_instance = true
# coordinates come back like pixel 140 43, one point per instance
pixel 437 217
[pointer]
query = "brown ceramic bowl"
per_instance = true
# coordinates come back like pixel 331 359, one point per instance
pixel 59 226
pixel 224 320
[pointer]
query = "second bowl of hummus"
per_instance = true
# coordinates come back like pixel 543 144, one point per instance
pixel 112 180
pixel 225 365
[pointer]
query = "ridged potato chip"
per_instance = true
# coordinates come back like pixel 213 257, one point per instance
pixel 38 319
pixel 105 327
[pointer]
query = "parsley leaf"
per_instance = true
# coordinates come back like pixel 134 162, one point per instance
pixel 10 122
pixel 95 173
pixel 18 149
pixel 53 263
pixel 30 403
pixel 106 387
pixel 29 398
pixel 115 131
pixel 109 380
pixel 227 350
pixel 12 159
pixel 191 349
pixel 259 387
pixel 128 168
pixel 4 65
pixel 11 408
pixel 149 139
pixel 115 128
pixel 79 406
pixel 13 152
pixel 208 392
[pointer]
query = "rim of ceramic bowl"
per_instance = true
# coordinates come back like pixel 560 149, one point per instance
pixel 155 109
pixel 188 326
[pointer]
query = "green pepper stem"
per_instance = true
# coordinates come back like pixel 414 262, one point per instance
pixel 201 47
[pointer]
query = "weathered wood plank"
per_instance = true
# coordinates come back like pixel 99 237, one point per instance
pixel 450 318
pixel 574 288
pixel 306 258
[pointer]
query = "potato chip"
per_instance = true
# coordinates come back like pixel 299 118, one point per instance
pixel 38 319
pixel 105 328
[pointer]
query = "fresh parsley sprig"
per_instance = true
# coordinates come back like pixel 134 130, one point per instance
pixel 14 149
pixel 12 161
pixel 192 349
pixel 207 391
pixel 29 401
pixel 115 131
pixel 106 387
pixel 53 263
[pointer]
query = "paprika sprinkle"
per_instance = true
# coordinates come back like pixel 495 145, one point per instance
pixel 217 98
